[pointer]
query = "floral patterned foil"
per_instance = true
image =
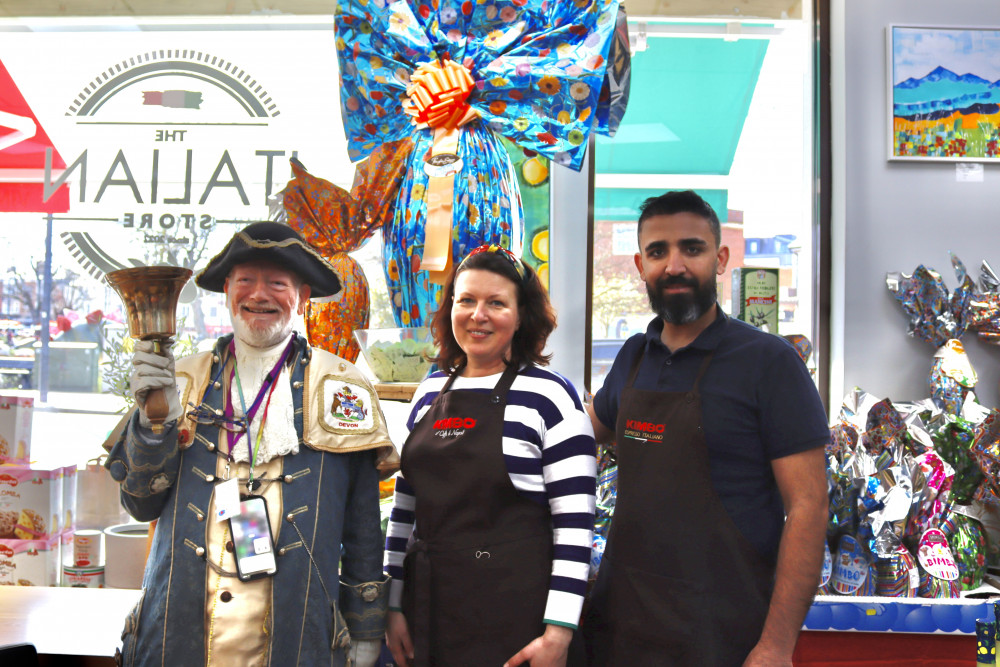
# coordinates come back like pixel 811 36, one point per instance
pixel 539 69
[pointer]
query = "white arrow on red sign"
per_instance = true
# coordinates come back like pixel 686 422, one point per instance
pixel 24 128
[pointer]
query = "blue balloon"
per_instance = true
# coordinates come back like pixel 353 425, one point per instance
pixel 919 620
pixel 819 616
pixel 878 617
pixel 947 617
pixel 971 612
pixel 845 617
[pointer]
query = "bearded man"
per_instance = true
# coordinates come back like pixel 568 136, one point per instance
pixel 716 544
pixel 257 452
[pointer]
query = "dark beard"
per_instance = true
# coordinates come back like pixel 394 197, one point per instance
pixel 682 308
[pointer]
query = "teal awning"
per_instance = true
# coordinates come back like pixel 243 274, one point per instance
pixel 689 99
pixel 622 204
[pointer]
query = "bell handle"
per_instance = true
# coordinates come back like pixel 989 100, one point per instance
pixel 156 409
pixel 156 406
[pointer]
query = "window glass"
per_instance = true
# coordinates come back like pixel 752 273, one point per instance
pixel 164 137
pixel 729 119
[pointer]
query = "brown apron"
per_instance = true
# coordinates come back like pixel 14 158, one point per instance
pixel 477 576
pixel 678 584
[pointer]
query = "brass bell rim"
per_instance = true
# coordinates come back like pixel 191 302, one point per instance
pixel 147 273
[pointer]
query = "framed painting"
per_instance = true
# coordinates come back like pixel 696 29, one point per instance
pixel 944 93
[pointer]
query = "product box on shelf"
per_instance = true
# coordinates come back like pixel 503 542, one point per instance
pixel 31 503
pixel 69 493
pixel 755 297
pixel 15 429
pixel 30 562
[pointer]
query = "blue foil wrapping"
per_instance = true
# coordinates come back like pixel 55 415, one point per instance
pixel 539 69
pixel 934 315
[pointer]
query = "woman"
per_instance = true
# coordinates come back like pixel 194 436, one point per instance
pixel 494 506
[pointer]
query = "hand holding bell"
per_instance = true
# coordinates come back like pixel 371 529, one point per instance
pixel 149 295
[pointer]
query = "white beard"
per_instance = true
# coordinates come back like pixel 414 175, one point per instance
pixel 258 337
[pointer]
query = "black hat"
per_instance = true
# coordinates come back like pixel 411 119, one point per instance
pixel 273 242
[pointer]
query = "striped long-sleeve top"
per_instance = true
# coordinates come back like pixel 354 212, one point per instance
pixel 548 446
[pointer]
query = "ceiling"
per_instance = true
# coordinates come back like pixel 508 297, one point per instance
pixel 772 9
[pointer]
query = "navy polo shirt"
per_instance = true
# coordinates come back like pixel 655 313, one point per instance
pixel 758 404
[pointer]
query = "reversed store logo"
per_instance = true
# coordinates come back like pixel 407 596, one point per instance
pixel 196 67
pixel 170 138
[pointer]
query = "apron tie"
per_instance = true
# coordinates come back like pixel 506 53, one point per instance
pixel 422 601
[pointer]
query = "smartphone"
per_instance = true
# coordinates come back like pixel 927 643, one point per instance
pixel 252 542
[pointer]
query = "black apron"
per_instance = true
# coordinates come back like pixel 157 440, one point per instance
pixel 678 584
pixel 477 576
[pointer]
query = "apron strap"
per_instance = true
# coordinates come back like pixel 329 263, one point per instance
pixel 499 394
pixel 635 366
pixel 503 386
pixel 421 601
pixel 701 371
pixel 451 378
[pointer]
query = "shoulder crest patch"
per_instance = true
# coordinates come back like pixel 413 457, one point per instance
pixel 347 406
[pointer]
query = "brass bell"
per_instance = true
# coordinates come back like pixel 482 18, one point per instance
pixel 149 295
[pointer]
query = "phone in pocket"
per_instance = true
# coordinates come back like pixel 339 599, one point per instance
pixel 252 541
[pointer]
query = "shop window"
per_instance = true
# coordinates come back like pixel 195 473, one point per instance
pixel 730 119
pixel 164 137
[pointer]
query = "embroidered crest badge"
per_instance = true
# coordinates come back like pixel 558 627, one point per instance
pixel 347 406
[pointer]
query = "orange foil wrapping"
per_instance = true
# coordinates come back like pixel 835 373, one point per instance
pixel 336 222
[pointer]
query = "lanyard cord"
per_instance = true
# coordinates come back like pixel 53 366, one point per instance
pixel 248 415
pixel 260 432
pixel 243 404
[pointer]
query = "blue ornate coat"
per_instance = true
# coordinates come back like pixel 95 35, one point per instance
pixel 329 490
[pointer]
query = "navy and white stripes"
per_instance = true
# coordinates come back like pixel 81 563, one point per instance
pixel 548 446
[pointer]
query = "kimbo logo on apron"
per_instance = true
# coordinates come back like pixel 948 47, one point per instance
pixel 453 426
pixel 644 431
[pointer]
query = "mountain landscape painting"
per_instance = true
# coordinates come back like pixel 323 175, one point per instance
pixel 945 94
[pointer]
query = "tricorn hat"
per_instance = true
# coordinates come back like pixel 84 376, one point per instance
pixel 273 242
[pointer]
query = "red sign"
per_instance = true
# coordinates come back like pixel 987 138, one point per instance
pixel 23 143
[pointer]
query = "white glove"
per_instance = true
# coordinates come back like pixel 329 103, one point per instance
pixel 364 653
pixel 154 371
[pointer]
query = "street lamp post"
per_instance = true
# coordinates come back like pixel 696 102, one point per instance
pixel 43 360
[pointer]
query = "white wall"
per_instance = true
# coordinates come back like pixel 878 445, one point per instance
pixel 894 216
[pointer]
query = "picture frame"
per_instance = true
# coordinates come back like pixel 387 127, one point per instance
pixel 943 94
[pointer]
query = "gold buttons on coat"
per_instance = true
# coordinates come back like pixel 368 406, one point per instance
pixel 369 592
